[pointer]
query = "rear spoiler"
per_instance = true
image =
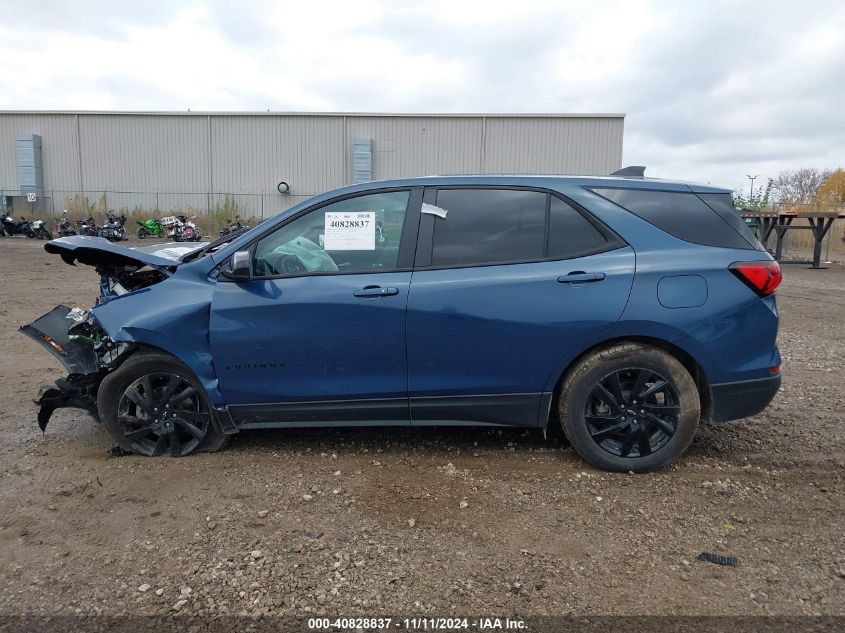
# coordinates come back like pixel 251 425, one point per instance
pixel 632 171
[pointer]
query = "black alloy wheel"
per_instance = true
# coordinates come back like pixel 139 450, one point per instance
pixel 629 407
pixel 632 412
pixel 162 413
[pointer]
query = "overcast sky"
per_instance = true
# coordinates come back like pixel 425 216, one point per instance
pixel 713 90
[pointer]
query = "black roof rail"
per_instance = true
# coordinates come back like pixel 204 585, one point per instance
pixel 632 171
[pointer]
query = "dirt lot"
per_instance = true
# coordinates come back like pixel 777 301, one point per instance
pixel 425 522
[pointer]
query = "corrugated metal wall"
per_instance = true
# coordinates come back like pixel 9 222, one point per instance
pixel 184 161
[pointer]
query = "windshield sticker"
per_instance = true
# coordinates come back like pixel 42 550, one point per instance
pixel 432 210
pixel 350 231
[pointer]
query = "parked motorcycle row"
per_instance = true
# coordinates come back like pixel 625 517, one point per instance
pixel 10 227
pixel 175 227
pixel 112 229
pixel 178 228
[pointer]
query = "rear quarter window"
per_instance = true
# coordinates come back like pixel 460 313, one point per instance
pixel 723 204
pixel 683 215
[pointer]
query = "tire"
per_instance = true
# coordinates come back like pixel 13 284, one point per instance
pixel 122 414
pixel 45 234
pixel 143 233
pixel 625 436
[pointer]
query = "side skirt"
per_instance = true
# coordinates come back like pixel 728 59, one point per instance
pixel 521 410
pixel 371 412
pixel 510 409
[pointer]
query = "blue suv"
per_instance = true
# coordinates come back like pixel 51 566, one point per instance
pixel 624 309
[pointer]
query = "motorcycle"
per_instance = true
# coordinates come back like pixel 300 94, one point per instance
pixel 148 228
pixel 237 225
pixel 183 230
pixel 113 230
pixel 64 227
pixel 6 225
pixel 39 230
pixel 12 227
pixel 175 228
pixel 87 227
pixel 27 228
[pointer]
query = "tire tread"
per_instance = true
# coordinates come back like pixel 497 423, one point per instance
pixel 594 454
pixel 107 399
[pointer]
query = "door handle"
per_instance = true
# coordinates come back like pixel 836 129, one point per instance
pixel 375 291
pixel 580 277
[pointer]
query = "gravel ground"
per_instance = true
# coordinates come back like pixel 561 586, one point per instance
pixel 422 521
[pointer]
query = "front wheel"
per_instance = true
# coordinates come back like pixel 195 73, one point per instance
pixel 143 232
pixel 44 234
pixel 153 405
pixel 629 407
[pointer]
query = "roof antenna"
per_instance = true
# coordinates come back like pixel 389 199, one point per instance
pixel 632 171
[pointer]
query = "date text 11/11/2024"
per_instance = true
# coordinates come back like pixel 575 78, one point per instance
pixel 416 624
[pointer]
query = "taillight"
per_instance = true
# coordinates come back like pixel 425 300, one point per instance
pixel 762 277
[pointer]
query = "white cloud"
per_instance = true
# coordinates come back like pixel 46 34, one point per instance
pixel 712 90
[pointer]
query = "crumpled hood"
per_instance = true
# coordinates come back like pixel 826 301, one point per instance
pixel 97 251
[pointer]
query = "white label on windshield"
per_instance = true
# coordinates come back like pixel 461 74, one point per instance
pixel 354 231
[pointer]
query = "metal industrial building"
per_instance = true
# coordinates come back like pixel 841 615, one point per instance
pixel 162 162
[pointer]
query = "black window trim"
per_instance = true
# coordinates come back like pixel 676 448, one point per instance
pixel 407 242
pixel 592 189
pixel 426 232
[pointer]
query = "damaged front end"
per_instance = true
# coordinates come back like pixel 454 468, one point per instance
pixel 74 337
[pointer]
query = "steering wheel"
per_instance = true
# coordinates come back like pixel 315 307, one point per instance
pixel 285 264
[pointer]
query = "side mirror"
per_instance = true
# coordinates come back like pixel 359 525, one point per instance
pixel 240 266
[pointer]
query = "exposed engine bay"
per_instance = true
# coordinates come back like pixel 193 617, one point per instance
pixel 118 280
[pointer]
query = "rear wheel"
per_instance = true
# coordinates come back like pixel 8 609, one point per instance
pixel 153 405
pixel 629 407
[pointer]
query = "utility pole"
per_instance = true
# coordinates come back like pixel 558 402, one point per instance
pixel 752 179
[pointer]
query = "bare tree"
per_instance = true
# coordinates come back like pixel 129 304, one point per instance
pixel 799 186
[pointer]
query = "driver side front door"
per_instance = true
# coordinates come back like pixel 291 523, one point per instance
pixel 317 335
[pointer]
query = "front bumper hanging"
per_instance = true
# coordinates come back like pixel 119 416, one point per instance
pixel 74 351
pixel 77 390
pixel 71 342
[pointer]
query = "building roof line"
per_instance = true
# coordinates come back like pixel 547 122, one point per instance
pixel 472 115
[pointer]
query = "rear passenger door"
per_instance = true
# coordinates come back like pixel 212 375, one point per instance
pixel 506 281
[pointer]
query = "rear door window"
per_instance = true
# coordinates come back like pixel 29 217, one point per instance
pixel 501 226
pixel 570 233
pixel 682 214
pixel 489 226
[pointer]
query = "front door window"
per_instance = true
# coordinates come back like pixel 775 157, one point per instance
pixel 355 235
